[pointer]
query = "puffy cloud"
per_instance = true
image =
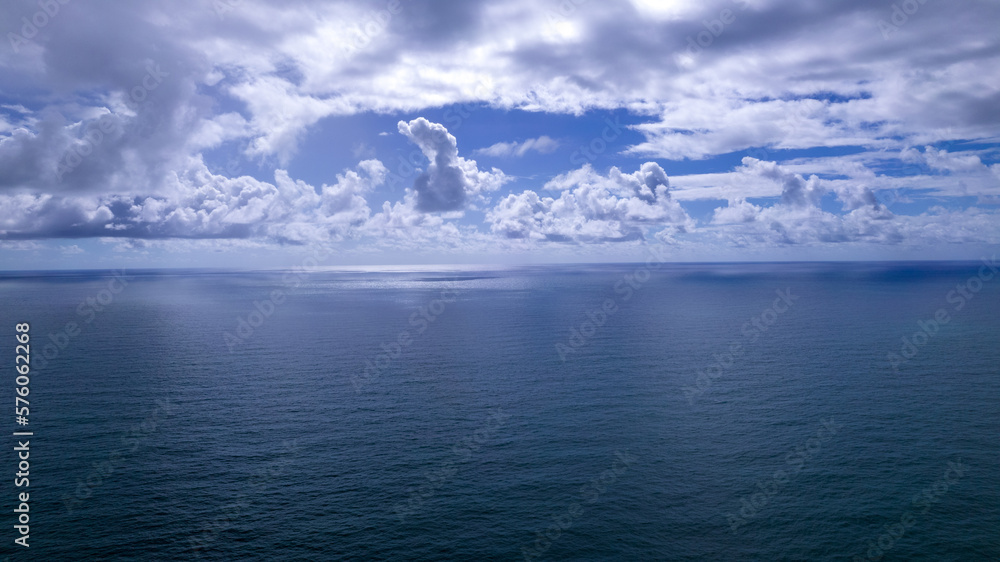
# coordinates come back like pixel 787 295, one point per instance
pixel 738 211
pixel 543 144
pixel 953 163
pixel 401 226
pixel 797 217
pixel 592 207
pixel 450 181
pixel 795 190
pixel 199 204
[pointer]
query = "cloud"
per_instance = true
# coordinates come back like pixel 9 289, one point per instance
pixel 796 191
pixel 450 181
pixel 198 204
pixel 797 217
pixel 543 144
pixel 953 163
pixel 757 83
pixel 362 150
pixel 108 114
pixel 592 208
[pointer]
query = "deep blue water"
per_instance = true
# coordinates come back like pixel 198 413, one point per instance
pixel 156 432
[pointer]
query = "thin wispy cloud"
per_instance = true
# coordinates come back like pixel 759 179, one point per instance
pixel 543 145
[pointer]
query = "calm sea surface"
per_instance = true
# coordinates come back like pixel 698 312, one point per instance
pixel 694 412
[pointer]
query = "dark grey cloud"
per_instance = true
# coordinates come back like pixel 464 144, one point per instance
pixel 438 24
pixel 443 185
pixel 119 95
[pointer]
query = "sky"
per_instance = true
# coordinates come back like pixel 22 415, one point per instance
pixel 254 134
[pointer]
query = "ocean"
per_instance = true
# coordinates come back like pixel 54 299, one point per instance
pixel 773 411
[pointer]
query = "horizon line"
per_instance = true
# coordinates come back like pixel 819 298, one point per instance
pixel 416 268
